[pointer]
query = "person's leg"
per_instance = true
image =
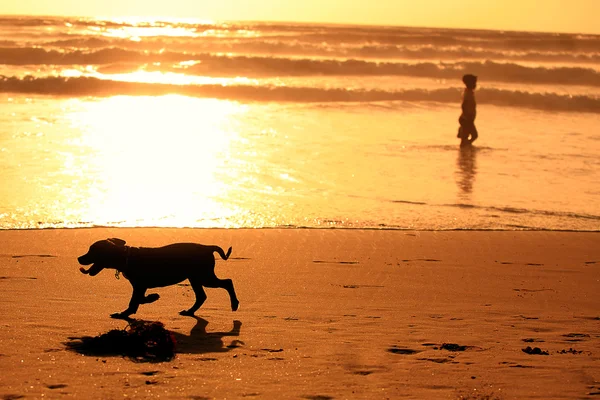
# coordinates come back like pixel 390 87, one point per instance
pixel 463 130
pixel 474 134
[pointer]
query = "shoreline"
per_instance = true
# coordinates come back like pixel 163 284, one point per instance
pixel 324 313
pixel 342 228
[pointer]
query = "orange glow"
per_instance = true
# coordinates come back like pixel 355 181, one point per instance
pixel 158 77
pixel 143 163
pixel 551 15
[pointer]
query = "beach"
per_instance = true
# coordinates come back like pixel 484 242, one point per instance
pixel 373 257
pixel 324 314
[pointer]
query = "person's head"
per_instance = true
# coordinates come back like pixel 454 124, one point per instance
pixel 470 81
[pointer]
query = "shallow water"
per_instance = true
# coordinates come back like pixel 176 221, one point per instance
pixel 216 163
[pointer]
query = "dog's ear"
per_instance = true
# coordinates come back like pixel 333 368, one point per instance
pixel 117 241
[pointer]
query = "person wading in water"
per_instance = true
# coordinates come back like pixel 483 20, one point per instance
pixel 467 118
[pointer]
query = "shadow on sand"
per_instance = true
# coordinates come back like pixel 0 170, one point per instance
pixel 200 342
pixel 149 341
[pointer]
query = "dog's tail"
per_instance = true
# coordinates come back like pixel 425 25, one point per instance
pixel 221 252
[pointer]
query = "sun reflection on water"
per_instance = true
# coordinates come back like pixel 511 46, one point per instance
pixel 144 76
pixel 139 28
pixel 154 160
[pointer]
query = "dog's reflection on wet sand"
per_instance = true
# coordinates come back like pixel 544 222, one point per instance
pixel 200 341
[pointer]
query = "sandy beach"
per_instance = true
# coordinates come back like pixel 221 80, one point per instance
pixel 324 314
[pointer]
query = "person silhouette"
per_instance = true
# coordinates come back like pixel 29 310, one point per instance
pixel 469 111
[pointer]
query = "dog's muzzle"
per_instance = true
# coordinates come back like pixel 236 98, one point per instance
pixel 86 260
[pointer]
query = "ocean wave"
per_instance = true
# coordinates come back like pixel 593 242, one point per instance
pixel 488 70
pixel 86 86
pixel 258 66
pixel 465 38
pixel 311 33
pixel 102 50
pixel 21 21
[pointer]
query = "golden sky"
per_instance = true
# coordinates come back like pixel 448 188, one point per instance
pixel 535 15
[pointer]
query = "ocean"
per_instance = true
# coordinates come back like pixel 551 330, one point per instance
pixel 185 123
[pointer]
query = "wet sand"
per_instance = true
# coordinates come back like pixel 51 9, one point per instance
pixel 324 314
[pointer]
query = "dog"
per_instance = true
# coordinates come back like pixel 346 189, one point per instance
pixel 151 267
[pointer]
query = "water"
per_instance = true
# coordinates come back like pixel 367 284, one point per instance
pixel 187 124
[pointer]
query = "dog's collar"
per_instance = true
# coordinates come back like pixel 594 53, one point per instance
pixel 127 257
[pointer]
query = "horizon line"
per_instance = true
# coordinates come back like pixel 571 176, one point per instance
pixel 300 22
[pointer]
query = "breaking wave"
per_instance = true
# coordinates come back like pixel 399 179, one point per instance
pixel 335 34
pixel 85 46
pixel 259 66
pixel 87 86
pixel 51 47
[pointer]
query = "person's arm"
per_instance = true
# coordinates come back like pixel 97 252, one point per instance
pixel 468 105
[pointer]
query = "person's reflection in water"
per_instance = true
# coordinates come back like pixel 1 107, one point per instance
pixel 466 171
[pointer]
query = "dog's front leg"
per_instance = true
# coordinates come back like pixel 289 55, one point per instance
pixel 137 298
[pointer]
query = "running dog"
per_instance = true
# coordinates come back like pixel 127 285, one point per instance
pixel 151 267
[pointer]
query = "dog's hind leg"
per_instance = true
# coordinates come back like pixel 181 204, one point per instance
pixel 226 284
pixel 200 297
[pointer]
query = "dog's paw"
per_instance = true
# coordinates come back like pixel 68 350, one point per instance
pixel 151 298
pixel 235 305
pixel 119 315
pixel 187 313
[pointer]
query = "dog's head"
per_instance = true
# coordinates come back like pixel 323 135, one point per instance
pixel 102 254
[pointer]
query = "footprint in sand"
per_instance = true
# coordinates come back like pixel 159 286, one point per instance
pixel 535 351
pixel 18 277
pixel 525 317
pixel 58 386
pixel 335 262
pixel 272 350
pixel 514 365
pixel 439 360
pixel 576 337
pixel 365 370
pixel 12 396
pixel 361 286
pixel 453 347
pixel 402 350
pixel 532 340
pixel 570 351
pixel 533 290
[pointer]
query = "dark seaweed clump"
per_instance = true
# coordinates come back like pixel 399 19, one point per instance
pixel 140 341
